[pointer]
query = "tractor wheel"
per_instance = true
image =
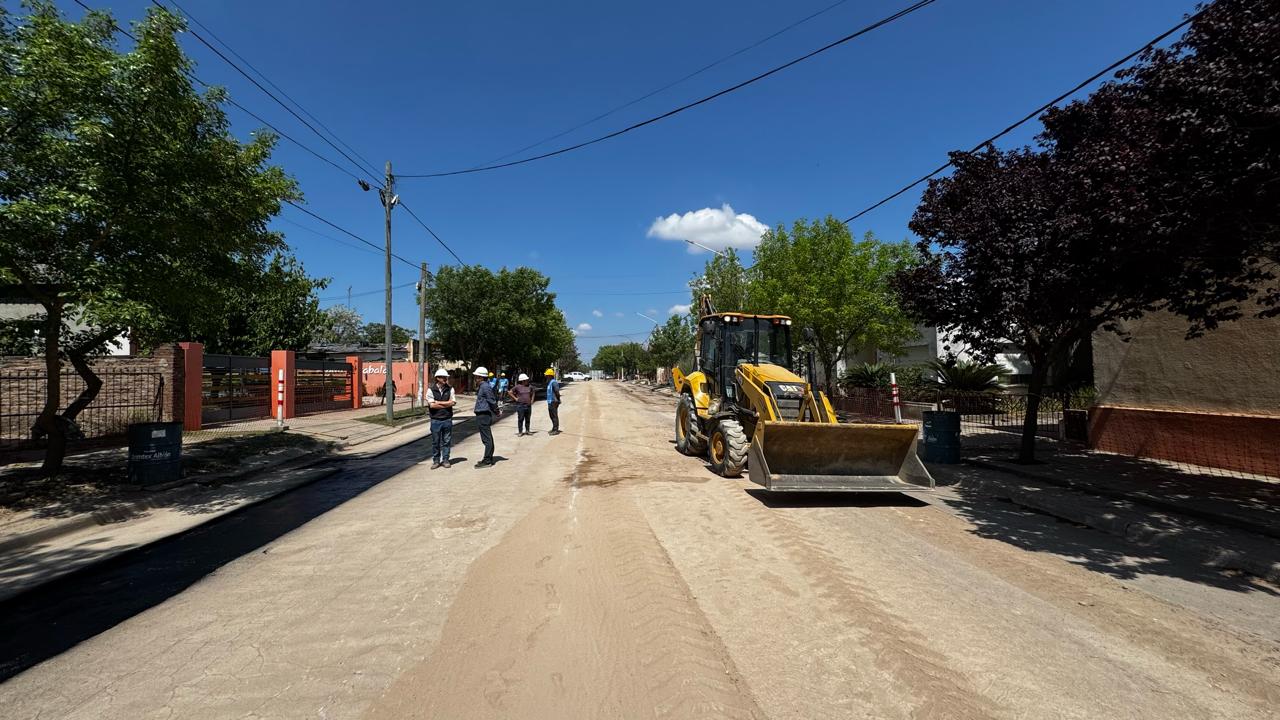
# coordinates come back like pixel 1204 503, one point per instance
pixel 689 437
pixel 728 448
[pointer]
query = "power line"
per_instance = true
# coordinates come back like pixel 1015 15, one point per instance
pixel 269 94
pixel 878 24
pixel 1033 114
pixel 237 105
pixel 366 293
pixel 365 167
pixel 348 233
pixel 672 84
pixel 443 244
pixel 338 240
pixel 616 335
pixel 618 294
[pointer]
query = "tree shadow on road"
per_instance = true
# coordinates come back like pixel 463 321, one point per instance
pixel 1003 520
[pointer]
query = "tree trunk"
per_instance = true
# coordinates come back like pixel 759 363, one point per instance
pixel 48 421
pixel 1031 421
pixel 828 371
pixel 92 383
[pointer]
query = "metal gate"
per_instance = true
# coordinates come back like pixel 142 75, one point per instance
pixel 322 385
pixel 235 388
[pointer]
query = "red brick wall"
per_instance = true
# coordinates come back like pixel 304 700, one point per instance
pixel 21 394
pixel 1244 443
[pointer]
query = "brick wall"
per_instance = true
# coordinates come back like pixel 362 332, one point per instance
pixel 134 389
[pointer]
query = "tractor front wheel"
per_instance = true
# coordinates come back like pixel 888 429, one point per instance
pixel 689 437
pixel 728 448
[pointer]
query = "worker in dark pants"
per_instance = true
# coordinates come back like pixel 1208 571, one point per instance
pixel 522 395
pixel 441 402
pixel 486 408
pixel 553 401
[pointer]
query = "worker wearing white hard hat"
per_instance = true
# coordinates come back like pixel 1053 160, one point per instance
pixel 440 406
pixel 486 408
pixel 522 395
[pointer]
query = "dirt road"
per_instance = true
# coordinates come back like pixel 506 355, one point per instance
pixel 598 574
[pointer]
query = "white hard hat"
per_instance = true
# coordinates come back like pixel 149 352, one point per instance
pixel 522 378
pixel 442 373
pixel 481 372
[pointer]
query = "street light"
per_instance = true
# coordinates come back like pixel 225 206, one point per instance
pixel 704 247
pixel 646 317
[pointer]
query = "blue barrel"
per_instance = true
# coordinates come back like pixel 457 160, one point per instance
pixel 155 453
pixel 941 437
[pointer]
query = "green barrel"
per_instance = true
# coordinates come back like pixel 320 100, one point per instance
pixel 941 436
pixel 155 453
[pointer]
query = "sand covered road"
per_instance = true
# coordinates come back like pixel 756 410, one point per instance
pixel 599 574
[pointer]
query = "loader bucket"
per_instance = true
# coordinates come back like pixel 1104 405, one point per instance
pixel 807 456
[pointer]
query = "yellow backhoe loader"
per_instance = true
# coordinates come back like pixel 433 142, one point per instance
pixel 743 406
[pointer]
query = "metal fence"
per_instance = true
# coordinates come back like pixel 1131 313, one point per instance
pixel 126 397
pixel 321 385
pixel 995 418
pixel 234 387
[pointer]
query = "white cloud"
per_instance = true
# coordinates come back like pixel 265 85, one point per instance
pixel 597 313
pixel 678 310
pixel 716 228
pixel 584 326
pixel 619 314
pixel 651 311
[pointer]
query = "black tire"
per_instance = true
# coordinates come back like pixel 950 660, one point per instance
pixel 689 437
pixel 727 448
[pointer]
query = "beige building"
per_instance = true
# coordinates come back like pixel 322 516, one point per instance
pixel 1212 401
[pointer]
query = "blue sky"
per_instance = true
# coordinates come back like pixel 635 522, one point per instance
pixel 441 86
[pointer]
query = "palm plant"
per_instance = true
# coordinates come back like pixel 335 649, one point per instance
pixel 966 375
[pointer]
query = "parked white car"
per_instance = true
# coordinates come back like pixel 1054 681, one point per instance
pixel 576 376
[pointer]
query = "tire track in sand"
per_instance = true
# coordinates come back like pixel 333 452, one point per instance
pixel 577 612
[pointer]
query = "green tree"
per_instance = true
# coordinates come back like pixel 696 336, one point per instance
pixel 266 306
pixel 817 275
pixel 340 325
pixel 725 281
pixel 569 360
pixel 375 334
pixel 124 198
pixel 672 341
pixel 626 358
pixel 502 319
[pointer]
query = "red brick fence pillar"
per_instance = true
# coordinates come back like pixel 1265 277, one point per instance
pixel 192 385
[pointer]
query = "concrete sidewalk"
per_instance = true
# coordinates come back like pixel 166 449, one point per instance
pixel 1220 522
pixel 1250 503
pixel 35 549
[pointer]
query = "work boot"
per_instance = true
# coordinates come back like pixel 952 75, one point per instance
pixel 445 464
pixel 484 464
pixel 435 465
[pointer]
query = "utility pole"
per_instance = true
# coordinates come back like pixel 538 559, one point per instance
pixel 422 337
pixel 389 199
pixel 348 297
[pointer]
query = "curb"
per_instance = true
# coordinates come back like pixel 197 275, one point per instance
pixel 1132 527
pixel 1141 499
pixel 117 512
pixel 307 462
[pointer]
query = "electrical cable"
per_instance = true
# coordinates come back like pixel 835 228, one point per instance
pixel 366 293
pixel 878 24
pixel 1033 114
pixel 237 105
pixel 268 93
pixel 443 244
pixel 672 84
pixel 366 166
pixel 350 234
